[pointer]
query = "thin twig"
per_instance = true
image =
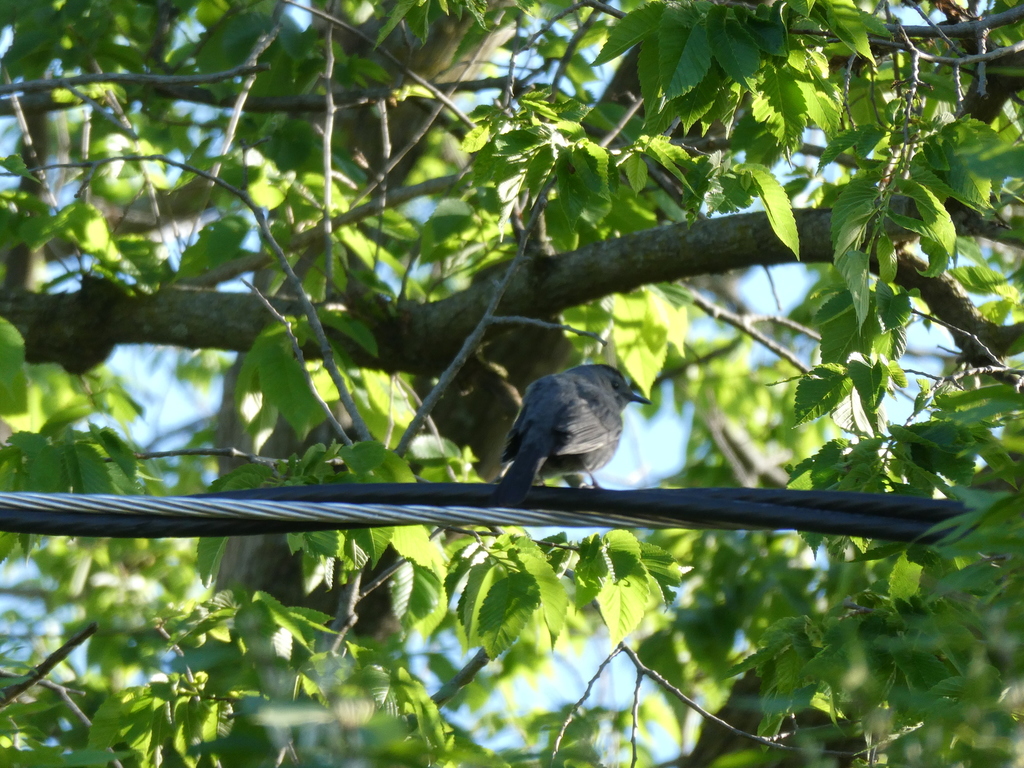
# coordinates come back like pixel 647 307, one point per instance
pixel 41 670
pixel 328 152
pixel 297 349
pixel 586 695
pixel 520 320
pixel 476 336
pixel 236 267
pixel 623 122
pixel 130 78
pixel 258 49
pixel 745 325
pixel 665 684
pixel 461 679
pixel 434 90
pixel 636 716
pixel 430 425
pixel 570 49
pixel 230 453
pixel 347 615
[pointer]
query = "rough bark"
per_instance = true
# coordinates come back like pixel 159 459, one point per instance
pixel 78 330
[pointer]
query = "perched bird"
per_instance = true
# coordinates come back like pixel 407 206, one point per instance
pixel 570 422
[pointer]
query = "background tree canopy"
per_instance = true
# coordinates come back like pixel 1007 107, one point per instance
pixel 435 202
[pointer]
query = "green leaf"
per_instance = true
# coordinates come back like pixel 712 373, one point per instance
pixel 733 47
pixel 12 369
pixel 770 34
pixel 640 335
pixel 869 379
pixel 820 391
pixel 851 213
pixel 303 624
pixel 636 171
pixel 554 600
pixel 272 364
pixel 16 165
pixel 777 205
pixel 780 106
pixel 414 543
pixel 449 219
pixel 481 578
pixel 937 224
pixel 364 457
pixel 904 579
pixel 885 253
pixel 209 553
pixel 218 243
pixel 848 22
pixel 893 308
pixel 86 469
pixel 697 103
pixel 630 30
pixel 623 602
pixel 663 567
pixel 985 281
pixel 428 604
pixel 692 65
pixel 372 541
pixel 508 606
pixel 853 266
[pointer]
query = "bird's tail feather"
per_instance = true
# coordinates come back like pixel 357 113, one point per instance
pixel 517 481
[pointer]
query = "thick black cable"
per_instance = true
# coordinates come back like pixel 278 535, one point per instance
pixel 871 515
pixel 892 517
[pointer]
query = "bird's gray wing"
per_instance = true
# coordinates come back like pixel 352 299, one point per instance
pixel 589 421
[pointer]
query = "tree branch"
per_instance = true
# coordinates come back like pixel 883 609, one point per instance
pixel 11 692
pixel 79 330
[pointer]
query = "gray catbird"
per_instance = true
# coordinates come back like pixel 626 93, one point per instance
pixel 569 422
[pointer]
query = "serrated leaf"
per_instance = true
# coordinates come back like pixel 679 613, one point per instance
pixel 86 469
pixel 303 624
pixel 693 106
pixel 209 553
pixel 885 253
pixel 851 213
pixel 16 165
pixel 554 600
pixel 630 30
pixel 272 363
pixel 414 542
pixel 481 578
pixel 869 379
pixel 848 22
pixel 733 47
pixel 779 105
pixel 372 542
pixel 853 266
pixel 937 222
pixel 893 308
pixel 692 65
pixel 904 579
pixel 364 457
pixel 12 354
pixel 508 606
pixel 640 335
pixel 476 139
pixel 636 171
pixel 777 205
pixel 821 390
pixel 623 601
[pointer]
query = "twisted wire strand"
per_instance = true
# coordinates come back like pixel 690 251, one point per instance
pixel 353 506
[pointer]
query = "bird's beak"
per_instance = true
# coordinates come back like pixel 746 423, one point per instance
pixel 635 398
